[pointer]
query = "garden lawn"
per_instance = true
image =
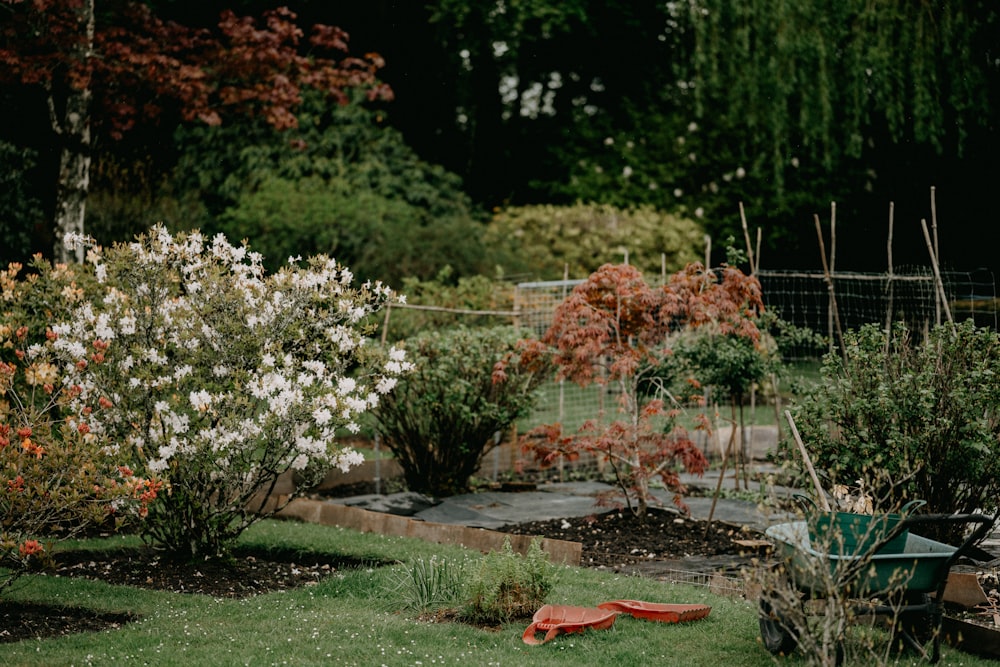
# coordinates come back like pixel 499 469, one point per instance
pixel 357 617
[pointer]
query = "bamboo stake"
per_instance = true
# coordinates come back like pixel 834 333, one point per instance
pixel 756 267
pixel 823 502
pixel 890 287
pixel 829 284
pixel 718 485
pixel 937 306
pixel 746 238
pixel 737 451
pixel 937 272
pixel 385 322
pixel 830 311
pixel 833 237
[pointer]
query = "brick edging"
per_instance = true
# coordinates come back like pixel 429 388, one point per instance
pixel 366 521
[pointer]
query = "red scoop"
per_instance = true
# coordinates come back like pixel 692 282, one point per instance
pixel 553 619
pixel 655 611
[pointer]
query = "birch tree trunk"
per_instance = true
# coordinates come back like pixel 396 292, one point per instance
pixel 74 130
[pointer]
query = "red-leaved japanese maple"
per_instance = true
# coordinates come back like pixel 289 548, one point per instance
pixel 102 70
pixel 616 328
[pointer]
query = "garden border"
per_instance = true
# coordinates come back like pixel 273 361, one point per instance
pixel 366 521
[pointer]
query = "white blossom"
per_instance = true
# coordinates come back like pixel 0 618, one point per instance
pixel 322 416
pixel 385 385
pixel 347 459
pixel 200 400
pixel 268 365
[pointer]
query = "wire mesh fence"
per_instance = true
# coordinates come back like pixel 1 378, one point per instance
pixel 850 300
pixel 843 301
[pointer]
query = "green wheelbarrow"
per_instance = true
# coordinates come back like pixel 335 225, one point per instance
pixel 911 580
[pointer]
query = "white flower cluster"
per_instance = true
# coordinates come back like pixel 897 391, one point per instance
pixel 214 367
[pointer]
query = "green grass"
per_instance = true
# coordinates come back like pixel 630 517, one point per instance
pixel 354 618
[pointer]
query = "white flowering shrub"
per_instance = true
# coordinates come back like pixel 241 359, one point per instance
pixel 219 377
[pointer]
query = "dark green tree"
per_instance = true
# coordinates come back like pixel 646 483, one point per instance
pixel 694 108
pixel 341 183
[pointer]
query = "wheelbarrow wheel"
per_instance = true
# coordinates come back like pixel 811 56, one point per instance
pixel 776 634
pixel 914 629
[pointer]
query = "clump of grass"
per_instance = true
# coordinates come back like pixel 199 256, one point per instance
pixel 507 586
pixel 431 584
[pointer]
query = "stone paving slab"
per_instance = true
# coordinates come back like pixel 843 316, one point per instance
pixel 494 509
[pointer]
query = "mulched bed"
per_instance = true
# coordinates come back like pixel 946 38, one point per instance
pixel 616 539
pixel 249 573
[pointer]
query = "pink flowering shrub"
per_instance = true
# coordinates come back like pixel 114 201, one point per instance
pixel 220 378
pixel 57 478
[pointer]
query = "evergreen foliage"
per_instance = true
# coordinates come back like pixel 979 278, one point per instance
pixel 339 184
pixel 920 413
pixel 579 239
pixel 442 418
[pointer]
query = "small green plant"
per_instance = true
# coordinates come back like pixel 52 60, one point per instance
pixel 431 584
pixel 507 586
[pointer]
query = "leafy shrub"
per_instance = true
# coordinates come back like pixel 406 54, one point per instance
pixel 221 378
pixel 342 184
pixel 507 586
pixel 548 240
pixel 57 475
pixel 441 419
pixel 924 413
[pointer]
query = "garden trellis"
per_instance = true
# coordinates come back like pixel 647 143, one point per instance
pixel 909 294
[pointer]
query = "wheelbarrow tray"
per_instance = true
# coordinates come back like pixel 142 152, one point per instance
pixel 920 566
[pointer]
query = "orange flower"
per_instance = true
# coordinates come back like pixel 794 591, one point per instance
pixel 30 548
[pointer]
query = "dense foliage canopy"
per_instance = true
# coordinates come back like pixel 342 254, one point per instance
pixel 688 107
